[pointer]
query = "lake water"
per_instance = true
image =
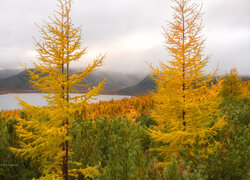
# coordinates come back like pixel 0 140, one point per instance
pixel 9 101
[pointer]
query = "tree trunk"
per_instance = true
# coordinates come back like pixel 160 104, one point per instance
pixel 183 69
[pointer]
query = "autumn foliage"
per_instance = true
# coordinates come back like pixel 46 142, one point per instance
pixel 192 126
pixel 186 101
pixel 45 131
pixel 130 108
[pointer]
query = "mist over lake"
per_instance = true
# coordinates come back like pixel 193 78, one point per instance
pixel 9 101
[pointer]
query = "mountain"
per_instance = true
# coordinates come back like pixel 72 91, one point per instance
pixel 4 73
pixel 245 78
pixel 16 82
pixel 148 84
pixel 143 87
pixel 114 81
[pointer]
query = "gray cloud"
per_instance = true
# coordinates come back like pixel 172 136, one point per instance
pixel 129 31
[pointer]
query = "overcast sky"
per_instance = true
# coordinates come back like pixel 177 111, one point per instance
pixel 129 31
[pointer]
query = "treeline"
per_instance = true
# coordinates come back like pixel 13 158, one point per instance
pixel 131 108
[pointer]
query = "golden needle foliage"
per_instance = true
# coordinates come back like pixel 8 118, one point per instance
pixel 246 88
pixel 232 85
pixel 45 132
pixel 7 114
pixel 186 100
pixel 130 108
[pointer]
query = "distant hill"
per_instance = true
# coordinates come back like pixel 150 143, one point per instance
pixel 16 82
pixel 143 87
pixel 148 84
pixel 114 82
pixel 245 78
pixel 4 73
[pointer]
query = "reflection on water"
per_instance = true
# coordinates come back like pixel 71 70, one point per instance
pixel 9 101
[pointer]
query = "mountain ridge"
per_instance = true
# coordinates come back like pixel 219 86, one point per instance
pixel 147 85
pixel 4 73
pixel 114 81
pixel 143 87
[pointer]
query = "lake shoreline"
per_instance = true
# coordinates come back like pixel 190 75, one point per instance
pixel 2 92
pixel 10 101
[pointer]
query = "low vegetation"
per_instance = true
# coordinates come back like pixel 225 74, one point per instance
pixel 120 146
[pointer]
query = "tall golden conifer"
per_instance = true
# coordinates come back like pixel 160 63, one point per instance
pixel 186 99
pixel 45 133
pixel 232 85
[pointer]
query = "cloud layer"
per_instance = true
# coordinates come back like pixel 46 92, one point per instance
pixel 130 32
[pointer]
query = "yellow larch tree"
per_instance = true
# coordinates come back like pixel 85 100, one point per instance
pixel 186 101
pixel 232 85
pixel 45 132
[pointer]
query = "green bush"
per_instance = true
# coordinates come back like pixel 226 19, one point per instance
pixel 12 166
pixel 119 145
pixel 231 158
